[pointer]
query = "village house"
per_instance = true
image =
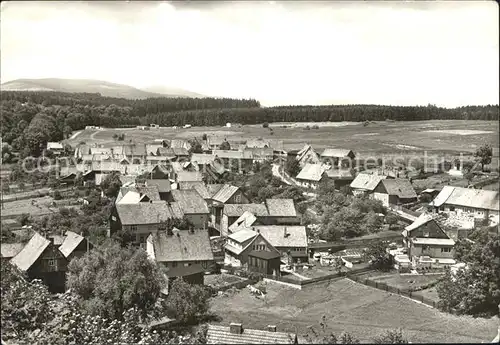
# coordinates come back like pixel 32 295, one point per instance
pixel 272 212
pixel 250 250
pixel 198 186
pixel 182 253
pixel 163 186
pixel 477 203
pixel 188 176
pixel 236 334
pixel 260 154
pixel 365 184
pixel 290 241
pixel 55 147
pixel 173 153
pixel 152 149
pixel 41 259
pixel 202 160
pixel 394 192
pixel 340 177
pixel 221 194
pixel 74 245
pixel 305 155
pixel 312 175
pixel 179 143
pixel 137 193
pixel 193 206
pixel 141 219
pixel 237 161
pixel 338 158
pixel 214 142
pixel 427 243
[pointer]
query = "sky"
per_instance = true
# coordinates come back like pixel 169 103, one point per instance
pixel 399 53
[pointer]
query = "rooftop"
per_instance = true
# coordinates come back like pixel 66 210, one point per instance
pixel 190 201
pixel 189 176
pixel 197 186
pixel 283 236
pixel 147 213
pixel 281 207
pixel 224 193
pixel 367 181
pixel 182 245
pixel 434 241
pixel 400 187
pixel 467 197
pixel 31 252
pixel 311 172
pixel 71 241
pixel 217 334
pixel 236 210
pixel 336 153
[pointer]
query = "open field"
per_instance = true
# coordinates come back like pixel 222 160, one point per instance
pixel 220 279
pixel 350 307
pixel 394 138
pixel 41 207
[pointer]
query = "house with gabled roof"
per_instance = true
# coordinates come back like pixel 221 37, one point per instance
pixel 138 193
pixel 41 259
pixel 74 245
pixel 141 219
pixel 478 203
pixel 237 161
pixel 272 212
pixel 193 206
pixel 289 240
pixel 182 253
pixel 311 175
pixel 198 186
pixel 248 245
pixel 426 239
pixel 365 184
pixel 306 155
pixel 162 185
pixel 338 158
pixel 395 192
pixel 236 334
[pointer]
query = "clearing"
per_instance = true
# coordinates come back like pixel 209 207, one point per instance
pixel 378 138
pixel 407 281
pixel 350 307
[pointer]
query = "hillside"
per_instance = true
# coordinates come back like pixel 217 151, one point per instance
pixel 176 92
pixel 105 88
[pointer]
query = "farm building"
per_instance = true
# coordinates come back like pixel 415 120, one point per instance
pixel 481 204
pixel 366 183
pixel 183 253
pixel 338 158
pixel 237 161
pixel 193 206
pixel 41 259
pixel 236 334
pixel 311 175
pixel 425 238
pixel 246 245
pixel 395 192
pixel 305 155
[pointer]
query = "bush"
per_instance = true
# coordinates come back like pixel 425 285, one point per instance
pixel 57 195
pixel 307 128
pixel 265 125
pixel 315 127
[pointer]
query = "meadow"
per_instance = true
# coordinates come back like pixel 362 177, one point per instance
pixel 446 138
pixel 295 310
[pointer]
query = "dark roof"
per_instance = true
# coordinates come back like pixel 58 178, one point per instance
pixel 281 207
pixel 197 186
pixel 225 193
pixel 163 185
pixel 400 187
pixel 217 334
pixel 70 243
pixel 182 245
pixel 190 201
pixel 147 213
pixel 264 254
pixel 31 252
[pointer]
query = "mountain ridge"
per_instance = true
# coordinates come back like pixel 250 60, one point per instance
pixel 105 88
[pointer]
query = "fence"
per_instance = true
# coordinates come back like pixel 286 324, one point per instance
pixel 237 285
pixel 402 292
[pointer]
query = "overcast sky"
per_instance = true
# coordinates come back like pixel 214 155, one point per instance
pixel 300 53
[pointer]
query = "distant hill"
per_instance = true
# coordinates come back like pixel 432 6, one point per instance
pixel 164 90
pixel 105 88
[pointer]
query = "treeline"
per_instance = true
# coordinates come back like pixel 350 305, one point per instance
pixel 335 113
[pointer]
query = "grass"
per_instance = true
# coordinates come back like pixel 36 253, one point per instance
pixel 407 281
pixel 349 307
pixel 42 206
pixel 394 138
pixel 222 279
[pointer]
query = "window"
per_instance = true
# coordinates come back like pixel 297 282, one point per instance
pixel 187 264
pixel 174 264
pixel 237 198
pixel 445 250
pixel 52 263
pixel 133 227
pixel 452 208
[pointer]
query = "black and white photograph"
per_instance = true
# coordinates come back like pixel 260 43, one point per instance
pixel 249 172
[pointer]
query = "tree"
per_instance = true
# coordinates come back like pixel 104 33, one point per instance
pixel 476 288
pixel 372 223
pixel 204 137
pixel 484 155
pixel 391 337
pixel 391 219
pixel 380 258
pixel 292 166
pixel 345 222
pixel 225 145
pixel 111 185
pixel 187 303
pixel 112 280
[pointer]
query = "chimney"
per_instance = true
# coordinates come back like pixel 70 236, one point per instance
pixel 271 328
pixel 235 328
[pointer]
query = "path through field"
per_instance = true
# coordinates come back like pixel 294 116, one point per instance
pixel 74 135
